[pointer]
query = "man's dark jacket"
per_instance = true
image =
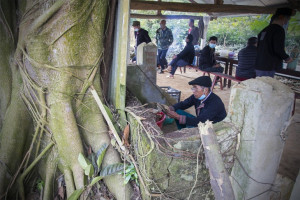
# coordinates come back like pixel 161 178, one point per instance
pixel 246 65
pixel 141 36
pixel 270 48
pixel 207 58
pixel 187 54
pixel 212 108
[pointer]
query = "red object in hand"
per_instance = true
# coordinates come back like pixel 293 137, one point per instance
pixel 162 117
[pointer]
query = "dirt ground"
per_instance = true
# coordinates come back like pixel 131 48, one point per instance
pixel 290 162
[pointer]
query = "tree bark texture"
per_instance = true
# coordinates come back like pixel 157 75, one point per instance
pixel 57 58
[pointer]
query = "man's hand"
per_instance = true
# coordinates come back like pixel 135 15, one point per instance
pixel 173 114
pixel 175 56
pixel 217 65
pixel 289 60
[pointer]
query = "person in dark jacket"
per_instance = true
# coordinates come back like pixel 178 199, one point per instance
pixel 270 47
pixel 185 57
pixel 247 56
pixel 140 35
pixel 207 60
pixel 208 105
pixel 194 31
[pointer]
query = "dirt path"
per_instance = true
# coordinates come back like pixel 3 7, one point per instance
pixel 290 162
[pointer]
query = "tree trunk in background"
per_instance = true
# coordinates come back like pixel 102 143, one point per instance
pixel 57 59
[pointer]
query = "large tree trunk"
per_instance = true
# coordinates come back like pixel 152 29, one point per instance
pixel 59 51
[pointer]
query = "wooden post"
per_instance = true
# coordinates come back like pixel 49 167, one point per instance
pixel 117 90
pixel 219 178
pixel 206 20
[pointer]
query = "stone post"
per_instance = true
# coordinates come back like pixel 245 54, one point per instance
pixel 146 59
pixel 261 109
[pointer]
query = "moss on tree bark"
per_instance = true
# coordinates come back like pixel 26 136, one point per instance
pixel 57 58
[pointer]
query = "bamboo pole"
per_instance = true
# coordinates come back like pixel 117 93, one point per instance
pixel 105 115
pixel 219 178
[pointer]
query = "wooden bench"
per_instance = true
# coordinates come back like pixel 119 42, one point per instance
pixel 197 69
pixel 221 75
pixel 189 66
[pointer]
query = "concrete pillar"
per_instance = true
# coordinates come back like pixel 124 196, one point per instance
pixel 260 109
pixel 146 59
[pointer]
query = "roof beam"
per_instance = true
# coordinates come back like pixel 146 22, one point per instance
pixel 204 8
pixel 142 16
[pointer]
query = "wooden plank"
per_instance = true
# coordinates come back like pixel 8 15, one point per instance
pixel 140 16
pixel 219 2
pixel 204 8
pixel 219 178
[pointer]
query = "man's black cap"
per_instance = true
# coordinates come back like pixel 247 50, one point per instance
pixel 203 81
pixel 136 23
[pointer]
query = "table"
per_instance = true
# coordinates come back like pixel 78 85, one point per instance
pixel 229 62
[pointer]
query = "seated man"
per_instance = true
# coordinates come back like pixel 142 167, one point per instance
pixel 207 104
pixel 247 58
pixel 185 57
pixel 207 60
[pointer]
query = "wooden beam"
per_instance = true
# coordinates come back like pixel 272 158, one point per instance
pixel 204 8
pixel 140 16
pixel 219 2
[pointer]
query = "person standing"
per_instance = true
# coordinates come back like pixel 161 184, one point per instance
pixel 271 42
pixel 194 31
pixel 207 61
pixel 246 65
pixel 164 39
pixel 140 35
pixel 185 57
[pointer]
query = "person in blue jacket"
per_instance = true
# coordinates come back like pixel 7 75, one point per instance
pixel 185 57
pixel 208 105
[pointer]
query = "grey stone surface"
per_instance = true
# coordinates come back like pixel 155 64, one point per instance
pixel 261 109
pixel 146 59
pixel 144 89
pixel 296 189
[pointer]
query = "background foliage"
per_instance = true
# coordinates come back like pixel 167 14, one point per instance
pixel 232 32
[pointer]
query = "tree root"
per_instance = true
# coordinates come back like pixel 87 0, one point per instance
pixel 24 174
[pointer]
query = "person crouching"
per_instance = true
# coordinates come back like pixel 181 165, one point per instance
pixel 208 105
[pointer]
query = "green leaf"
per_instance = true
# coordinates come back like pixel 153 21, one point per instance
pixel 82 161
pixel 100 154
pixel 111 169
pixel 127 178
pixel 108 111
pixel 89 170
pixel 76 194
pixel 95 180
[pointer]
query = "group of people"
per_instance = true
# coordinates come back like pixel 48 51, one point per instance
pixel 164 39
pixel 262 56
